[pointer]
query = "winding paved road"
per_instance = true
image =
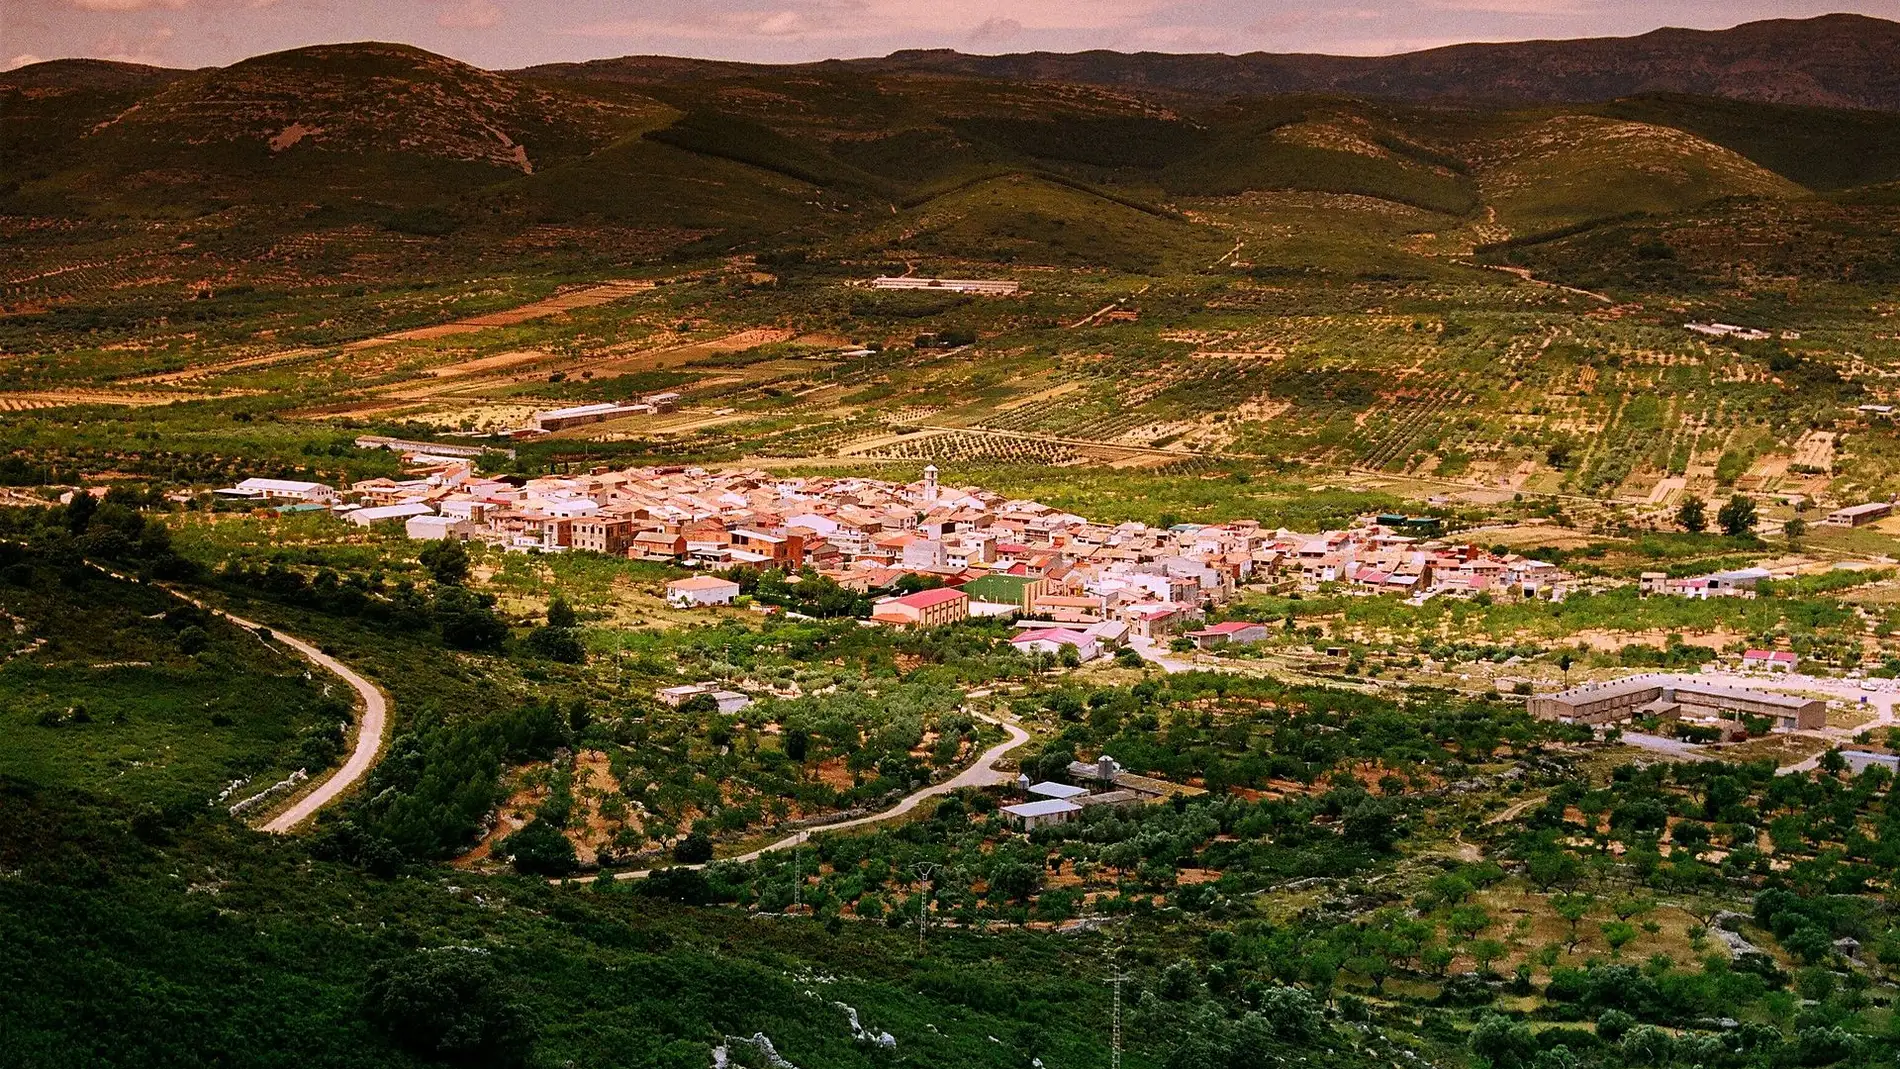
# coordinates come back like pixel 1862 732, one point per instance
pixel 981 773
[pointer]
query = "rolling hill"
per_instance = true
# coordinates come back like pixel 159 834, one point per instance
pixel 1830 61
pixel 375 122
pixel 1092 155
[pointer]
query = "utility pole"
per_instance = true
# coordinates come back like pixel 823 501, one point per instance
pixel 798 882
pixel 924 870
pixel 1115 1033
pixel 1116 978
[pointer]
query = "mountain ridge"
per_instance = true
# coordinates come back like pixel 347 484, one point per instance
pixel 1838 60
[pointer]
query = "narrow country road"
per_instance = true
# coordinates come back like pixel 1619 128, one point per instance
pixel 369 730
pixel 369 734
pixel 981 773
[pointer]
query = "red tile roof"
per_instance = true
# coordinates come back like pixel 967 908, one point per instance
pixel 924 599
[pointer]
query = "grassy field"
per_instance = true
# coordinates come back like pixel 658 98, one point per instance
pixel 123 691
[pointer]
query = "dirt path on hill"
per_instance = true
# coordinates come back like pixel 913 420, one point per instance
pixel 371 728
pixel 980 773
pixel 365 748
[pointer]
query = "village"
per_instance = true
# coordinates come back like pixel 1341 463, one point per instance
pixel 928 554
pixel 1072 583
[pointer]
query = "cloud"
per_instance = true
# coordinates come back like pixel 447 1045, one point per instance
pixel 996 31
pixel 1539 8
pixel 127 5
pixel 469 15
pixel 147 49
pixel 859 20
pixel 24 59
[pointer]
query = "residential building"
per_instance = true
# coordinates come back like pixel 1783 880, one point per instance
pixel 701 591
pixel 1042 813
pixel 1232 632
pixel 1770 660
pixel 281 490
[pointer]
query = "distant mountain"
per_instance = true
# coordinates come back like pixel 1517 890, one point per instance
pixel 385 123
pixel 1841 61
pixel 1004 161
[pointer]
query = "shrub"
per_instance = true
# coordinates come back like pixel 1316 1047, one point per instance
pixel 448 1005
pixel 540 850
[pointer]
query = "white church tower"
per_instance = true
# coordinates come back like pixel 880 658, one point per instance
pixel 930 485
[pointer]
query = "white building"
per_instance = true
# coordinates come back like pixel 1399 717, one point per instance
pixel 380 513
pixel 700 591
pixel 280 490
pixel 1053 640
pixel 428 528
pixel 1042 813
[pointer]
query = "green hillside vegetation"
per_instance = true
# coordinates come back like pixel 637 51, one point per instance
pixel 130 693
pixel 1543 174
pixel 1819 242
pixel 1031 219
pixel 1332 150
pixel 736 161
pixel 1823 149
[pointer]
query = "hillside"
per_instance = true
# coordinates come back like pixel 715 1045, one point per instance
pixel 1831 61
pixel 698 156
pixel 374 121
pixel 1543 174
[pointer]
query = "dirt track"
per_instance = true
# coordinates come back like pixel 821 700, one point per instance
pixel 981 773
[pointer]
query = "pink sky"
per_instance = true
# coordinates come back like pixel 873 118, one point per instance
pixel 513 33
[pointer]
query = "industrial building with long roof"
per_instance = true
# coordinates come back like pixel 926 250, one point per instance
pixel 1673 695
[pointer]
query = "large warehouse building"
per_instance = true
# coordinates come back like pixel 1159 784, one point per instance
pixel 1673 697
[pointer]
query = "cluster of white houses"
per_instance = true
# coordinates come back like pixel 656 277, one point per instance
pixel 1074 582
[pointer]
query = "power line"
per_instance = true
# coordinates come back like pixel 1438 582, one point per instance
pixel 924 870
pixel 1115 1034
pixel 1115 980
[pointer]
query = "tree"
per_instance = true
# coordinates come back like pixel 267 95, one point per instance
pixel 695 849
pixel 1016 881
pixel 1503 1043
pixel 1573 908
pixel 557 644
pixel 1618 934
pixel 1554 867
pixel 1565 661
pixel 1373 822
pixel 450 1005
pixel 1693 515
pixel 1795 528
pixel 1647 1045
pixel 193 640
pixel 1468 921
pixel 468 620
pixel 561 614
pixel 79 510
pixel 1737 517
pixel 1486 951
pixel 446 560
pixel 540 850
